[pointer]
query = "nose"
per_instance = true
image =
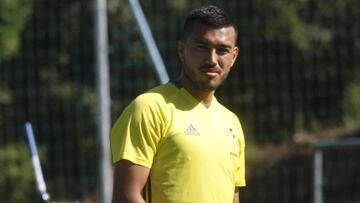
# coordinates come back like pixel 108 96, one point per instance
pixel 212 57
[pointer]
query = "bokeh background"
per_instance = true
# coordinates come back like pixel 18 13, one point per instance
pixel 296 83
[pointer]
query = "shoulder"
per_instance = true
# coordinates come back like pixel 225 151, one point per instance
pixel 152 101
pixel 155 96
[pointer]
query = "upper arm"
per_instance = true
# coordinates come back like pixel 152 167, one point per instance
pixel 137 132
pixel 236 196
pixel 129 180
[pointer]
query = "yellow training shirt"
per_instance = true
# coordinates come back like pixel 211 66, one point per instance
pixel 195 154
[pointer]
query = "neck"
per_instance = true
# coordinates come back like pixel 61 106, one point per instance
pixel 203 96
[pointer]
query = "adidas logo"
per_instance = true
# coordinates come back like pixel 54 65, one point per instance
pixel 190 130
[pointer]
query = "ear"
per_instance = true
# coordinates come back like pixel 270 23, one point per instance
pixel 180 47
pixel 235 55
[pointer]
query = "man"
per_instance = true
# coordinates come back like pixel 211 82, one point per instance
pixel 177 139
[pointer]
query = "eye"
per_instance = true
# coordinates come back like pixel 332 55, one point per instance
pixel 223 51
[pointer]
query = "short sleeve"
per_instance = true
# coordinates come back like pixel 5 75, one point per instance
pixel 136 133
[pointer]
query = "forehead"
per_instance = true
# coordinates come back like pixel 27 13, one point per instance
pixel 202 32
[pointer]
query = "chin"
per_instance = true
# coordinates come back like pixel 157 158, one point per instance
pixel 214 84
pixel 210 86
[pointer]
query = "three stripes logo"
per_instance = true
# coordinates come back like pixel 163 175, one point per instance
pixel 190 130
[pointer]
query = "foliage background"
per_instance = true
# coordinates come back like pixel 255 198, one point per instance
pixel 296 81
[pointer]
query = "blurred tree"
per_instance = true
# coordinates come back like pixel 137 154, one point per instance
pixel 308 24
pixel 16 178
pixel 351 102
pixel 300 55
pixel 13 15
pixel 50 82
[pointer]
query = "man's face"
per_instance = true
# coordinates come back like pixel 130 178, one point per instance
pixel 207 55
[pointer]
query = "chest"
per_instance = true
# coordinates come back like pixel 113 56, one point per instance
pixel 200 136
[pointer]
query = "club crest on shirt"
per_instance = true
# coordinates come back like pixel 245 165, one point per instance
pixel 234 147
pixel 190 130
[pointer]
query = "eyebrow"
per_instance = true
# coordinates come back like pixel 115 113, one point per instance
pixel 202 41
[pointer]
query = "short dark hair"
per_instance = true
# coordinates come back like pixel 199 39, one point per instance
pixel 211 16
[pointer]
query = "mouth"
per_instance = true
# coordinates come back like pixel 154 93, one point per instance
pixel 211 72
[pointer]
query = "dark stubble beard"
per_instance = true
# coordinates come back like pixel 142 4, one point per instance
pixel 200 83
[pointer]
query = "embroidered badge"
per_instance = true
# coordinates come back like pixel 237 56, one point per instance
pixel 232 138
